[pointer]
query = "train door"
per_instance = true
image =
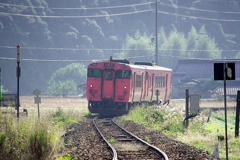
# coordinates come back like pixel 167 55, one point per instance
pixel 152 87
pixel 108 84
pixel 146 86
pixel 166 86
pixel 133 85
pixel 142 87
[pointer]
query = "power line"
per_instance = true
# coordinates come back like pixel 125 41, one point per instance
pixel 113 7
pixel 120 14
pixel 44 60
pixel 94 16
pixel 91 8
pixel 196 9
pixel 135 57
pixel 73 49
pixel 194 17
pixel 233 1
pixel 114 49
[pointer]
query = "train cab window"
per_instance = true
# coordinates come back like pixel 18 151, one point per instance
pixel 92 72
pixel 123 74
pixel 108 75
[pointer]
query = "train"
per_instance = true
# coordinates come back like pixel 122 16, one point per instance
pixel 115 85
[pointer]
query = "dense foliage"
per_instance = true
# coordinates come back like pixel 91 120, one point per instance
pixel 54 34
pixel 65 80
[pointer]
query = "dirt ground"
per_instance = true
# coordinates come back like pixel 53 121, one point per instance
pixel 81 103
pixel 54 102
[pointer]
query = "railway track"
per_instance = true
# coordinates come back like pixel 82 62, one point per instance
pixel 123 144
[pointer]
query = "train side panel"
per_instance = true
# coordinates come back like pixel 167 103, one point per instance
pixel 162 82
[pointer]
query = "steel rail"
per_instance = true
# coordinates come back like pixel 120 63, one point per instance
pixel 157 150
pixel 110 147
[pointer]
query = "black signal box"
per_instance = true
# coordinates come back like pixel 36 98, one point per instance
pixel 219 71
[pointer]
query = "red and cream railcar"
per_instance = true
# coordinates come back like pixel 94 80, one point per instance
pixel 113 86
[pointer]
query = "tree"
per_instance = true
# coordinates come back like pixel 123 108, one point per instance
pixel 138 47
pixel 237 55
pixel 65 80
pixel 63 88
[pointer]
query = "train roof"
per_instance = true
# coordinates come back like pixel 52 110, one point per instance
pixel 137 65
pixel 152 66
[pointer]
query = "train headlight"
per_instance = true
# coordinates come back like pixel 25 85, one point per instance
pixel 90 86
pixel 125 87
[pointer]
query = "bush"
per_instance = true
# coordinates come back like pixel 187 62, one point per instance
pixel 27 138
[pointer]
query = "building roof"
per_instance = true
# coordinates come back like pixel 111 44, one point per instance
pixel 230 90
pixel 203 68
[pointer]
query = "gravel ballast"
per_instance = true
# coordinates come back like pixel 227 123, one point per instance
pixel 82 142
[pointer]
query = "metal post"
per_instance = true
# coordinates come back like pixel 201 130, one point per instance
pixel 225 107
pixel 0 83
pixel 157 94
pixel 18 90
pixel 18 75
pixel 187 107
pixel 156 35
pixel 38 111
pixel 237 115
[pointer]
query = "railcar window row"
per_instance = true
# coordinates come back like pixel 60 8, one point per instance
pixel 92 72
pixel 138 80
pixel 160 81
pixel 123 74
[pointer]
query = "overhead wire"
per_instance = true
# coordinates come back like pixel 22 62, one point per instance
pixel 127 13
pixel 82 8
pixel 93 60
pixel 114 49
pixel 93 16
pixel 195 17
pixel 196 9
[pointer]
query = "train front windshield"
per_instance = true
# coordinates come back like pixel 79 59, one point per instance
pixel 96 73
pixel 123 74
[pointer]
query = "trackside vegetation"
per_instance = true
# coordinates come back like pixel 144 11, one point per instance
pixel 200 133
pixel 32 137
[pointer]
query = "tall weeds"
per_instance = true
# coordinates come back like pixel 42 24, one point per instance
pixel 28 138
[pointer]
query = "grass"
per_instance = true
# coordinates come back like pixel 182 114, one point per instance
pixel 36 138
pixel 56 113
pixel 28 138
pixel 67 157
pixel 147 139
pixel 112 140
pixel 200 133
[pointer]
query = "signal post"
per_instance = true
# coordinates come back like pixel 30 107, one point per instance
pixel 18 73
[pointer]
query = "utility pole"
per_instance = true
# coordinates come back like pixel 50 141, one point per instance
pixel 18 72
pixel 156 27
pixel 225 108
